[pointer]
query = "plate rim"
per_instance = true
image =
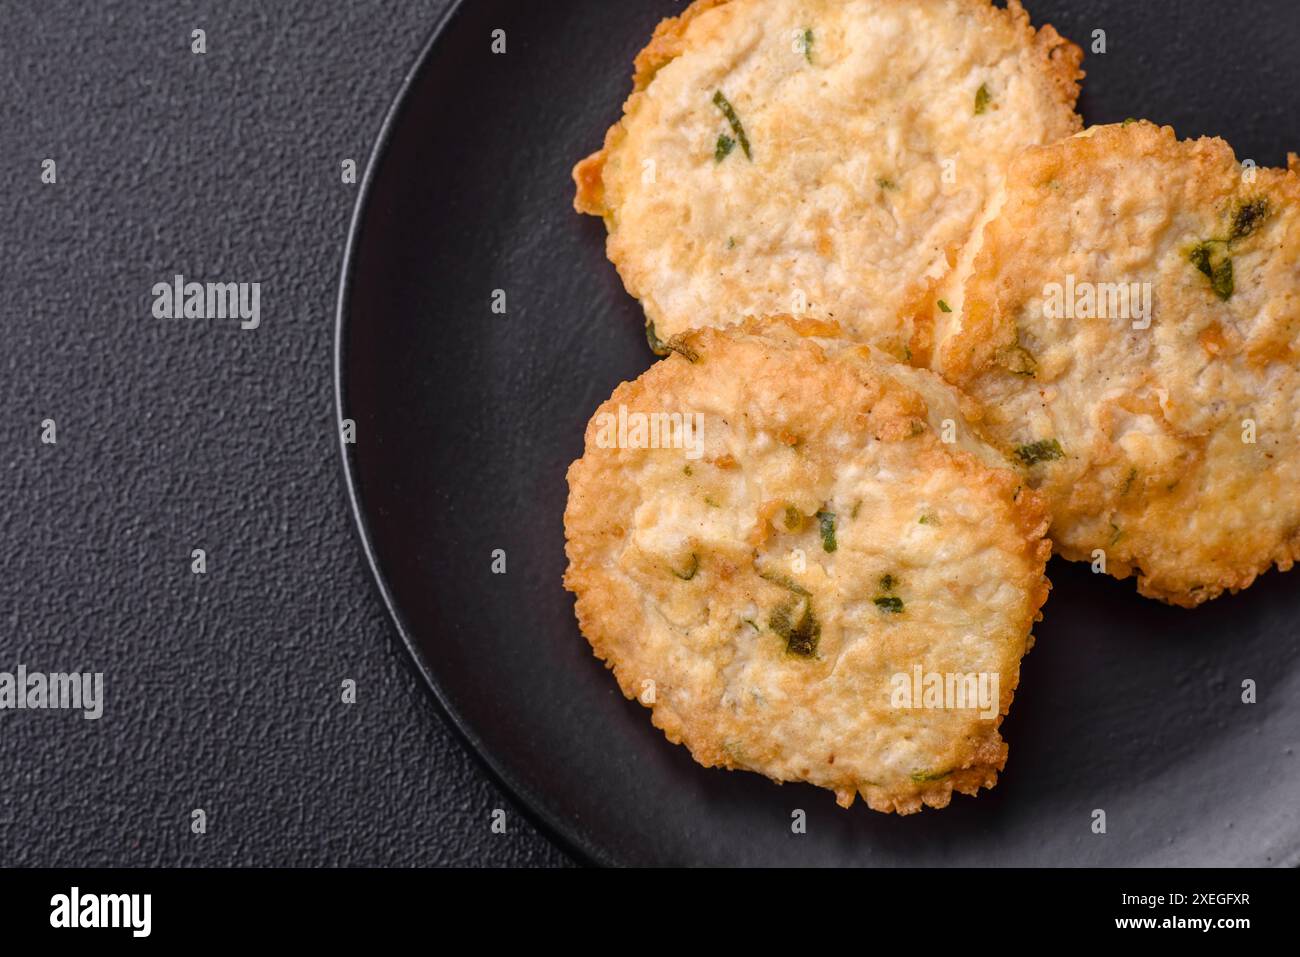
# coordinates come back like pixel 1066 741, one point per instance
pixel 552 827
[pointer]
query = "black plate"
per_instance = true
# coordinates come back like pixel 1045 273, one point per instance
pixel 467 420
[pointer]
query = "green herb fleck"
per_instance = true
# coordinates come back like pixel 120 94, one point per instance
pixel 691 568
pixel 1128 482
pixel 885 182
pixel 1219 269
pixel 1200 257
pixel 731 242
pixel 725 145
pixel 1219 273
pixel 982 99
pixel 944 307
pixel 1248 218
pixel 722 103
pixel 890 604
pixel 928 520
pixel 887 582
pixel 709 501
pixel 1044 450
pixel 793 518
pixel 826 523
pixel 751 623
pixel 785 581
pixel 795 622
pixel 1129 122
pixel 922 777
pixel 1116 534
pixel 857 507
pixel 657 345
pixel 1221 281
pixel 807 45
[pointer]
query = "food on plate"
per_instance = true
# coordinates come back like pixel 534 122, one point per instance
pixel 1129 322
pixel 798 554
pixel 821 158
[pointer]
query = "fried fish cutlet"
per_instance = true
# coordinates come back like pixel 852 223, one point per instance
pixel 1131 325
pixel 821 158
pixel 826 536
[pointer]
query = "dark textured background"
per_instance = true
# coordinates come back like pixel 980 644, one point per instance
pixel 222 692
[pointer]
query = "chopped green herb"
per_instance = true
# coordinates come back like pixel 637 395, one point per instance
pixel 886 183
pixel 793 518
pixel 795 622
pixel 1221 281
pixel 691 568
pixel 1219 270
pixel 887 582
pixel 1248 217
pixel 1200 257
pixel 921 777
pixel 826 523
pixel 982 99
pixel 722 103
pixel 1129 122
pixel 656 344
pixel 944 307
pixel 807 45
pixel 928 520
pixel 891 604
pixel 725 145
pixel 857 507
pixel 785 581
pixel 1219 273
pixel 731 242
pixel 709 501
pixel 1044 450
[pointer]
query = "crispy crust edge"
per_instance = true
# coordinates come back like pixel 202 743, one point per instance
pixel 1060 60
pixel 973 353
pixel 591 605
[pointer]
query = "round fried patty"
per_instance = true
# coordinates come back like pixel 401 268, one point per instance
pixel 1131 326
pixel 822 158
pixel 799 556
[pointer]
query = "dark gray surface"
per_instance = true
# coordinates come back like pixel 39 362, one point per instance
pixel 222 692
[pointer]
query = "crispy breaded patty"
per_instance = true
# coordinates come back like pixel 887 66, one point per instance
pixel 822 158
pixel 1131 324
pixel 783 582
